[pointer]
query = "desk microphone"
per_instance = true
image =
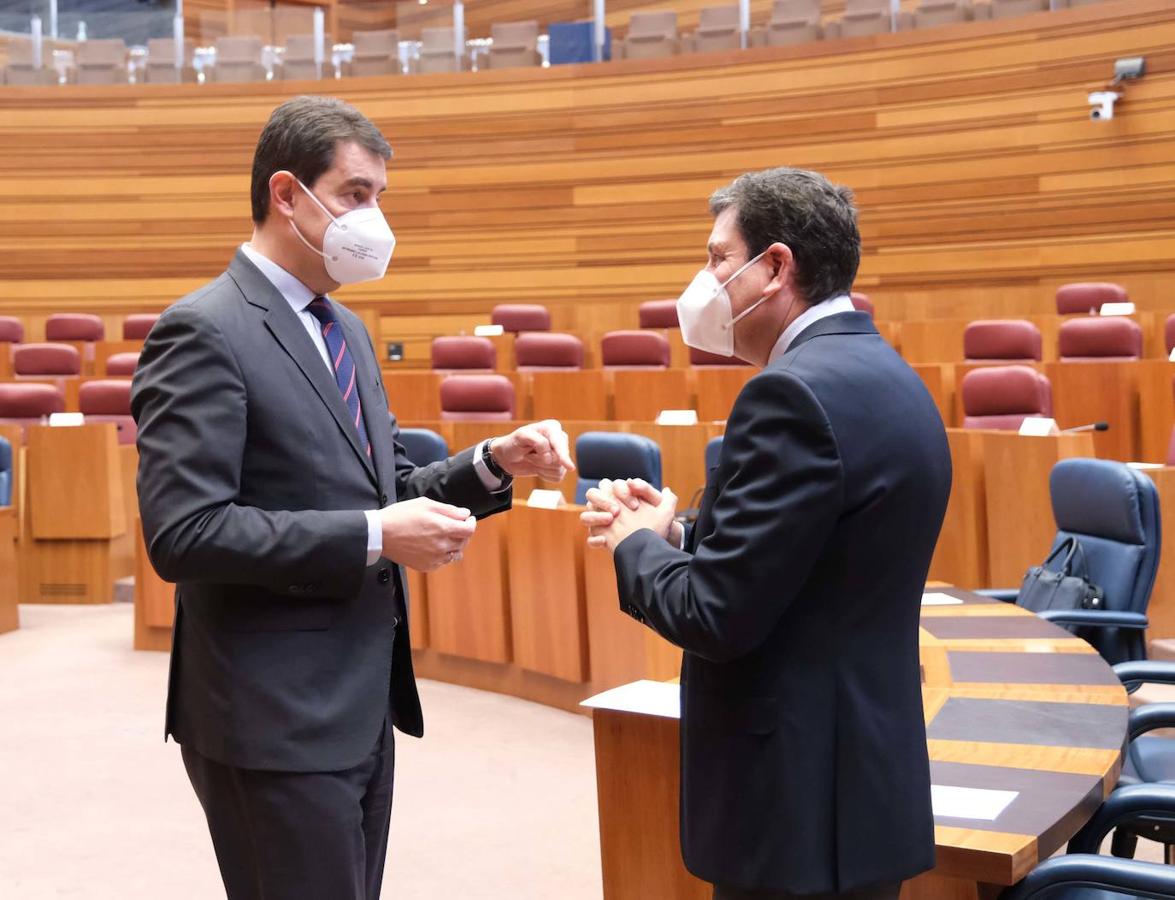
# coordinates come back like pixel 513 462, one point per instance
pixel 1093 426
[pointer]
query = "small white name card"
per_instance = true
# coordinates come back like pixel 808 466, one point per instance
pixel 1172 356
pixel 66 419
pixel 541 499
pixel 969 803
pixel 1143 466
pixel 677 417
pixel 1117 309
pixel 653 698
pixel 1038 426
pixel 488 330
pixel 934 598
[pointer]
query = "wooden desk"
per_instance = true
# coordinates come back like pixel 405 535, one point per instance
pixel 581 394
pixel 717 387
pixel 413 396
pixel 1086 392
pixel 1161 610
pixel 961 555
pixel 940 382
pixel 638 395
pixel 1156 408
pixel 982 672
pixel 9 581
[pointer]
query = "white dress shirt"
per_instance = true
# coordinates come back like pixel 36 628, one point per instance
pixel 299 297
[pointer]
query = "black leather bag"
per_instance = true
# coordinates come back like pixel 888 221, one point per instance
pixel 1067 587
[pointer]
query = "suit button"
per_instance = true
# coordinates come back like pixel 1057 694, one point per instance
pixel 383 499
pixel 384 575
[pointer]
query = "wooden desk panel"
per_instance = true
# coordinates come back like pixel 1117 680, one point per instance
pixel 569 395
pixel 933 341
pixel 103 350
pixel 413 396
pixel 1156 408
pixel 1161 611
pixel 417 587
pixel 940 381
pixel 87 504
pixel 1086 392
pixel 548 613
pixel 154 601
pixel 961 555
pixel 9 581
pixel 638 395
pixel 717 388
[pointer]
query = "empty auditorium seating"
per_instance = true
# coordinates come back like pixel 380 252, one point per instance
pixel 238 59
pixel 29 404
pixel 5 472
pixel 548 350
pixel 651 35
pixel 658 314
pixel 718 29
pixel 19 69
pixel 1007 340
pixel 518 317
pixel 101 61
pixel 865 17
pixel 861 302
pixel 74 327
pixel 794 22
pixel 109 401
pixel 1087 297
pixel 136 327
pixel 477 397
pixel 1099 337
pixel 161 62
pixel 438 52
pixel 702 358
pixel 46 360
pixel 11 330
pixel 941 12
pixel 514 44
pixel 423 445
pixel 1003 396
pixel 464 352
pixel 1001 9
pixel 298 60
pixel 634 348
pixel 607 454
pixel 122 364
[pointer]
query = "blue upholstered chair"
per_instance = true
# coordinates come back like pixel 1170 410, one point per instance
pixel 713 452
pixel 5 473
pixel 1113 511
pixel 1082 875
pixel 423 446
pixel 609 454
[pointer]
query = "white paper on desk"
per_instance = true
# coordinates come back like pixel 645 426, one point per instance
pixel 654 698
pixel 488 330
pixel 935 598
pixel 969 803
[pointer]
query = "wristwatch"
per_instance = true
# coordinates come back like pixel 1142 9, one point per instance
pixel 492 464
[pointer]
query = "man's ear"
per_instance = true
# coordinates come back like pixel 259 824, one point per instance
pixel 783 263
pixel 282 186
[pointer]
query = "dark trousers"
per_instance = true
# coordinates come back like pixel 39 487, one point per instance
pixel 880 892
pixel 299 835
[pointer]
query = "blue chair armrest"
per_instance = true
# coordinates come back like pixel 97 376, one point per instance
pixel 1139 879
pixel 1008 595
pixel 1144 671
pixel 1098 618
pixel 1150 716
pixel 1124 805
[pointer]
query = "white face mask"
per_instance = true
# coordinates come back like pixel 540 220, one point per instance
pixel 704 313
pixel 357 246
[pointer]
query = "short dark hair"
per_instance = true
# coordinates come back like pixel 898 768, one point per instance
pixel 301 136
pixel 815 218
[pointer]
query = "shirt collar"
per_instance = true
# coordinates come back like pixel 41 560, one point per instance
pixel 809 316
pixel 296 293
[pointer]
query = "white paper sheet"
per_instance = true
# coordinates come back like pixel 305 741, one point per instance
pixel 654 698
pixel 935 598
pixel 969 803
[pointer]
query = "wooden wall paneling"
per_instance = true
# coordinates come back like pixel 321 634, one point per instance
pixel 1156 408
pixel 961 556
pixel 638 395
pixel 1087 392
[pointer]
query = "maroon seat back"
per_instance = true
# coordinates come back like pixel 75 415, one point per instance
pixel 122 363
pixel 518 317
pixel 11 330
pixel 658 314
pixel 1003 396
pixel 138 326
pixel 1100 337
pixel 464 352
pixel 702 358
pixel 45 360
pixel 1083 296
pixel 1008 339
pixel 29 404
pixel 548 350
pixel 861 302
pixel 635 348
pixel 109 401
pixel 478 397
pixel 74 327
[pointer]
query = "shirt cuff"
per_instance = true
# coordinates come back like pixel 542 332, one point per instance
pixel 375 536
pixel 489 480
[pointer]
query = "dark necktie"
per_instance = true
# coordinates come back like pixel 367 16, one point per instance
pixel 343 364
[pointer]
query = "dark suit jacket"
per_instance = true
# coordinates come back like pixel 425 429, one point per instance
pixel 804 762
pixel 288 647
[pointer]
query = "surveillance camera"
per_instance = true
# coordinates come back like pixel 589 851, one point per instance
pixel 1103 104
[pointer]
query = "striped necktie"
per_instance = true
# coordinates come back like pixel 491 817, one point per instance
pixel 343 364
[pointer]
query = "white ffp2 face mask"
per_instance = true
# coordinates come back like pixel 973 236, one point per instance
pixel 704 312
pixel 357 246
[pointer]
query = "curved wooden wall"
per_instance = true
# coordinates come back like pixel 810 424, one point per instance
pixel 981 180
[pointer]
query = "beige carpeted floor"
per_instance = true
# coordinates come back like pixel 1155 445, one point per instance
pixel 497 801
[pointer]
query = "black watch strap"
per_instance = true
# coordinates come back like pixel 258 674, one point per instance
pixel 490 463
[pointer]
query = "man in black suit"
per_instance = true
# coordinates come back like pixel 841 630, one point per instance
pixel 275 493
pixel 796 595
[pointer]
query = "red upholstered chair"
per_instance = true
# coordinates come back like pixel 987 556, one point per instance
pixel 1101 338
pixel 1168 333
pixel 658 314
pixel 1003 396
pixel 11 330
pixel 109 401
pixel 646 349
pixel 29 404
pixel 1007 340
pixel 477 397
pixel 548 350
pixel 46 361
pixel 1081 297
pixel 861 302
pixel 464 352
pixel 74 327
pixel 516 317
pixel 122 363
pixel 137 327
pixel 702 358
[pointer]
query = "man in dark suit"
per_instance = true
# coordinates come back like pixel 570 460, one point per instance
pixel 275 493
pixel 796 595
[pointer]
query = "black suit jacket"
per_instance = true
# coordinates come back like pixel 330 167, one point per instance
pixel 804 762
pixel 288 647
